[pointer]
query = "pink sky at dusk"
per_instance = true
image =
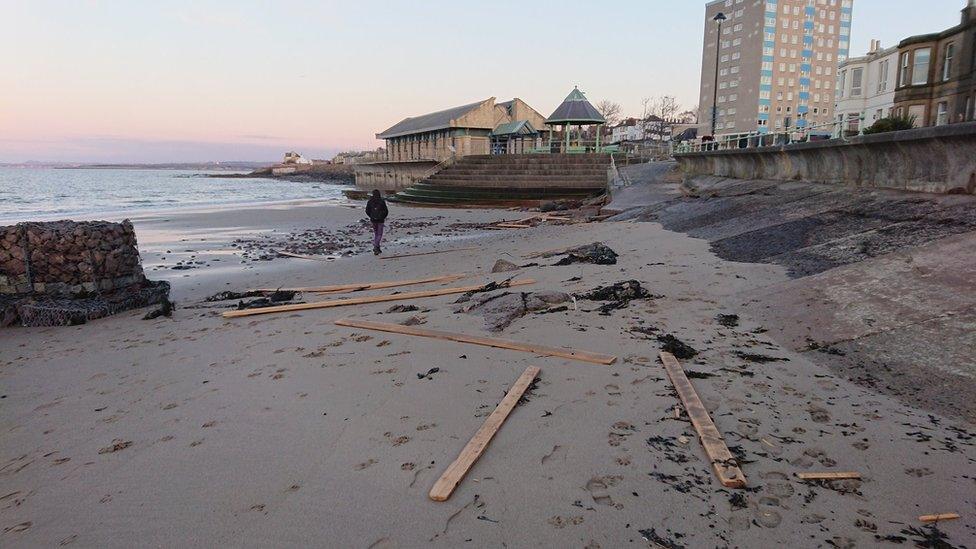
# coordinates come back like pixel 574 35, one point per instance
pixel 120 81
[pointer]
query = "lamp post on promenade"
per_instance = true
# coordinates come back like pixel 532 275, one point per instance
pixel 719 17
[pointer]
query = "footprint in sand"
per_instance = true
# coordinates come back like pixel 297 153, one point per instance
pixel 918 472
pixel 821 456
pixel 117 446
pixel 598 491
pixel 778 485
pixel 597 487
pixel 560 522
pixel 368 463
pixel 818 414
pixel 23 526
pixel 766 514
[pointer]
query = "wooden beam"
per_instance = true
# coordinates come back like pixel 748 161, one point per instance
pixel 345 288
pixel 724 464
pixel 512 226
pixel 541 350
pixel 937 518
pixel 431 253
pixel 829 476
pixel 301 256
pixel 362 300
pixel 452 476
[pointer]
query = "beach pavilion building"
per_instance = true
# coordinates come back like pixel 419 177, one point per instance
pixel 477 128
pixel 497 149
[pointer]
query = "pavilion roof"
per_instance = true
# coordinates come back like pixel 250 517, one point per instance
pixel 575 109
pixel 429 122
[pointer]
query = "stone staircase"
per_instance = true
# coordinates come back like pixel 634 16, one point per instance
pixel 512 180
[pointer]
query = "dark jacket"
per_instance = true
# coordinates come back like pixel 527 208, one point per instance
pixel 376 210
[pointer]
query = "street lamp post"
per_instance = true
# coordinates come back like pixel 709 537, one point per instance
pixel 719 17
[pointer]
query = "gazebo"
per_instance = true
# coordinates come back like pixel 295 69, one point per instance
pixel 575 110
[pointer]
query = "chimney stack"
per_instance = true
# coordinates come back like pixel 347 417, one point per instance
pixel 876 44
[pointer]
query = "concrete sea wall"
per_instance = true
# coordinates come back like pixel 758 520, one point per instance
pixel 937 159
pixel 391 176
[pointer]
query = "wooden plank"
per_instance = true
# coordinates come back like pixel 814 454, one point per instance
pixel 940 516
pixel 452 476
pixel 345 288
pixel 312 257
pixel 844 475
pixel 724 464
pixel 542 350
pixel 362 300
pixel 430 253
pixel 512 226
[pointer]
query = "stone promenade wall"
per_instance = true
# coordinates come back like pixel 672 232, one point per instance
pixel 938 159
pixel 68 257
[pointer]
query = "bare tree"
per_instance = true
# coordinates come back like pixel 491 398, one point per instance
pixel 668 107
pixel 659 116
pixel 610 111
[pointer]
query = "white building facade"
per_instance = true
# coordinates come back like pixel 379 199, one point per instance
pixel 866 88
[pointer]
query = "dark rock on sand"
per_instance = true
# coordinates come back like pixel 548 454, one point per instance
pixel 619 295
pixel 676 347
pixel 402 309
pixel 597 253
pixel 729 321
pixel 501 309
pixel 502 266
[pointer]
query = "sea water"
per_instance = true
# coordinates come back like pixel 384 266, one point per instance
pixel 38 194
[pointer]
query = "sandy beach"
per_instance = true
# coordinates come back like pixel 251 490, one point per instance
pixel 288 430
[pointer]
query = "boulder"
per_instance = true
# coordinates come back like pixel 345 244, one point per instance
pixel 503 266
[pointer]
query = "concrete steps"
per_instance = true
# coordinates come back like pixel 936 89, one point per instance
pixel 512 180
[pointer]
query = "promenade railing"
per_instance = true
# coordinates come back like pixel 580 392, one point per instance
pixel 751 140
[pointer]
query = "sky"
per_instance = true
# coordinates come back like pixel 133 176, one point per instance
pixel 193 81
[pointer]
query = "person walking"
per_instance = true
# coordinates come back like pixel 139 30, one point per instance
pixel 377 211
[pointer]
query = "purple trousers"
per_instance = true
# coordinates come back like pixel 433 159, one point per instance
pixel 377 234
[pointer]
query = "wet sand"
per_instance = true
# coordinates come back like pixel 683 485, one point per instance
pixel 287 430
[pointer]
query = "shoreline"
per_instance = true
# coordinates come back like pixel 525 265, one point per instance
pixel 156 211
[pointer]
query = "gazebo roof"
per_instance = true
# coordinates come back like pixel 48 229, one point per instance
pixel 575 109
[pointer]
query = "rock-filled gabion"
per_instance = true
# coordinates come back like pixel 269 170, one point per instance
pixel 66 258
pixel 68 272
